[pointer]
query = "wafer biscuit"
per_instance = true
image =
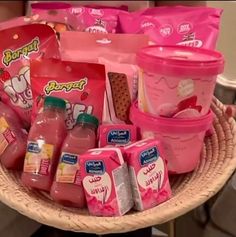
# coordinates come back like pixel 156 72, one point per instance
pixel 120 95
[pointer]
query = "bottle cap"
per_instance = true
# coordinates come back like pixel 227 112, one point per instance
pixel 87 118
pixel 55 102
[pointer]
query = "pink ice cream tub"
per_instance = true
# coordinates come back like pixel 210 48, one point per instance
pixel 177 81
pixel 182 139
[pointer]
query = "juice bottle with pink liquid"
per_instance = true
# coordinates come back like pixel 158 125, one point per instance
pixel 67 187
pixel 44 142
pixel 13 139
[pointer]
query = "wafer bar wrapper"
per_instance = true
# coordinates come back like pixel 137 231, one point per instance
pixel 117 52
pixel 121 90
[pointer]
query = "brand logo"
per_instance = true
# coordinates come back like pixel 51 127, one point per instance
pixel 10 56
pixel 147 24
pixel 166 30
pixel 77 10
pixel 96 12
pixel 95 167
pixel 33 147
pixel 69 159
pixel 148 156
pixel 192 43
pixel 184 28
pixel 69 86
pixel 118 137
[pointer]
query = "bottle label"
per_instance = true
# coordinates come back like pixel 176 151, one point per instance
pixel 68 170
pixel 6 135
pixel 38 157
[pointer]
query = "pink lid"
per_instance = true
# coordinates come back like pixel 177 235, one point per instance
pixel 180 60
pixel 169 125
pixel 50 5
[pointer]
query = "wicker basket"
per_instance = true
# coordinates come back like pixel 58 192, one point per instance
pixel 217 164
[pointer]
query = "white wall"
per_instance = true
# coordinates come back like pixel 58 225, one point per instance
pixel 227 39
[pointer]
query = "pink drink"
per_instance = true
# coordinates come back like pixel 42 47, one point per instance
pixel 177 81
pixel 44 142
pixel 106 182
pixel 13 139
pixel 67 187
pixel 148 174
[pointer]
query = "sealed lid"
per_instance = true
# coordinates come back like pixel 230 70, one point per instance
pixel 170 125
pixel 180 60
pixel 87 118
pixel 55 102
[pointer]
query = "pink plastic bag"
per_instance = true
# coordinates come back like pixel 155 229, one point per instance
pixel 96 20
pixel 55 14
pixel 122 7
pixel 189 26
pixel 18 45
pixel 82 85
pixel 117 52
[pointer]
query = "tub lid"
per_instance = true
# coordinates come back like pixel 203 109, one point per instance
pixel 172 60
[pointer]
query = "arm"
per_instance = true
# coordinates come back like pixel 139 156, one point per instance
pixel 10 9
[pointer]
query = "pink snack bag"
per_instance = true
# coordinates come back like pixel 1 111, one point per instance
pixel 55 14
pixel 96 20
pixel 118 53
pixel 105 179
pixel 82 85
pixel 18 45
pixel 117 134
pixel 181 25
pixel 148 173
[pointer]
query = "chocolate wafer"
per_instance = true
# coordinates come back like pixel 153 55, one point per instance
pixel 120 95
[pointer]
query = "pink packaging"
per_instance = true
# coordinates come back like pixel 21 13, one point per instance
pixel 96 20
pixel 82 85
pixel 148 173
pixel 118 53
pixel 106 182
pixel 18 45
pixel 178 137
pixel 121 7
pixel 118 134
pixel 189 26
pixel 55 14
pixel 177 81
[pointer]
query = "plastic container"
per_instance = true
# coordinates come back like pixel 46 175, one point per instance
pixel 67 187
pixel 13 139
pixel 177 81
pixel 182 138
pixel 44 142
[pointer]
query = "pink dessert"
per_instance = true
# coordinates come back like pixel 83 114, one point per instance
pixel 106 182
pixel 177 81
pixel 67 187
pixel 13 139
pixel 148 173
pixel 44 142
pixel 117 134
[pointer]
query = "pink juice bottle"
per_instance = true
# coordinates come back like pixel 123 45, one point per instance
pixel 67 187
pixel 13 139
pixel 44 142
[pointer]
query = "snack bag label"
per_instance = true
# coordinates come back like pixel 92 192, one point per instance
pixel 118 137
pixel 18 46
pixel 24 51
pixel 6 135
pixel 81 85
pixel 68 170
pixel 38 157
